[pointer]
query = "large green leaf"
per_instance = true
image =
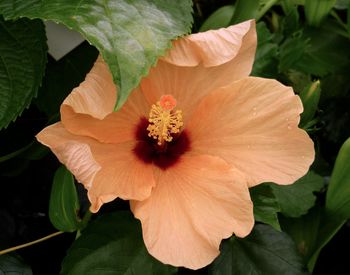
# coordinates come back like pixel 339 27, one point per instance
pixel 336 213
pixel 338 194
pixel 264 251
pixel 12 265
pixel 22 64
pixel 328 227
pixel 266 206
pixel 304 231
pixel 64 204
pixel 292 50
pixel 130 34
pixel 296 199
pixel 112 245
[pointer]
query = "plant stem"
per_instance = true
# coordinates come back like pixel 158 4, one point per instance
pixel 16 153
pixel 30 243
pixel 85 219
pixel 265 8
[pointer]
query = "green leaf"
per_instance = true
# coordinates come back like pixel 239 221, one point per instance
pixel 264 251
pixel 290 23
pixel 310 97
pixel 329 226
pixel 218 19
pixel 112 245
pixel 244 10
pixel 342 4
pixel 12 265
pixel 296 199
pixel 348 18
pixel 292 50
pixel 304 231
pixel 22 64
pixel 311 232
pixel 130 34
pixel 327 50
pixel 338 194
pixel 64 204
pixel 265 205
pixel 316 11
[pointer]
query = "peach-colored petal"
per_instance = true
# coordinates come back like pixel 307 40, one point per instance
pixel 253 125
pixel 108 171
pixel 88 110
pixel 194 205
pixel 74 152
pixel 211 48
pixel 114 128
pixel 96 96
pixel 122 175
pixel 188 85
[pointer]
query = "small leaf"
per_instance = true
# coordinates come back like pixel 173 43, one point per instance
pixel 338 194
pixel 130 34
pixel 244 10
pixel 218 19
pixel 264 251
pixel 64 204
pixel 12 265
pixel 296 199
pixel 112 245
pixel 316 11
pixel 310 97
pixel 22 65
pixel 265 205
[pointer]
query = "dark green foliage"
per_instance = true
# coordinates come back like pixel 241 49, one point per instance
pixel 22 65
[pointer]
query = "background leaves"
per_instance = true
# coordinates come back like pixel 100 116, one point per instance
pixel 296 199
pixel 12 265
pixel 22 65
pixel 112 245
pixel 251 254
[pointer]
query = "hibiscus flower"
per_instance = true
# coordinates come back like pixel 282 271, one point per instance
pixel 189 142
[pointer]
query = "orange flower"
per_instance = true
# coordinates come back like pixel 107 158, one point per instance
pixel 190 140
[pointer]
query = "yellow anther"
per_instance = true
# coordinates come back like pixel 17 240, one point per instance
pixel 163 120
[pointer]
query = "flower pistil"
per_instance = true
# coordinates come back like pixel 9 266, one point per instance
pixel 164 120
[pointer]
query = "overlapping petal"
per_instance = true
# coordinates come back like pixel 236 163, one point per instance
pixel 108 171
pixel 88 110
pixel 211 48
pixel 253 125
pixel 193 207
pixel 189 83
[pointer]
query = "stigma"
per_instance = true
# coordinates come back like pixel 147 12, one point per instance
pixel 164 121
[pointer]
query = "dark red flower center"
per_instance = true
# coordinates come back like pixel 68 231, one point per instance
pixel 148 151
